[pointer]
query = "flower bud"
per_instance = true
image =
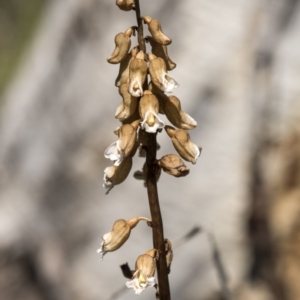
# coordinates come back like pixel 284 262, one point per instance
pixel 160 50
pixel 124 67
pixel 169 254
pixel 123 43
pixel 144 274
pixel 176 116
pixel 128 105
pixel 116 174
pixel 173 165
pixel 159 76
pixel 137 75
pixel 125 4
pixel 119 235
pixel 148 108
pixel 123 147
pixel 156 31
pixel 183 145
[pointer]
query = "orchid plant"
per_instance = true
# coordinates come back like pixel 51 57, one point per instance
pixel 140 109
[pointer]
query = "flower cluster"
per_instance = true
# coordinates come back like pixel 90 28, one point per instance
pixel 143 103
pixel 140 112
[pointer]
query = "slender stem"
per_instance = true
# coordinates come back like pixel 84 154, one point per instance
pixel 152 169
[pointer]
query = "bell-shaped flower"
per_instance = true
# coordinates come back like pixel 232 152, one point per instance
pixel 123 147
pixel 156 31
pixel 129 104
pixel 160 50
pixel 159 76
pixel 176 116
pixel 125 4
pixel 137 75
pixel 124 67
pixel 120 233
pixel 173 165
pixel 123 43
pixel 144 273
pixel 148 108
pixel 183 145
pixel 114 175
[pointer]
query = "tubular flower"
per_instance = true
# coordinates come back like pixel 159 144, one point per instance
pixel 159 76
pixel 137 75
pixel 148 108
pixel 176 116
pixel 123 43
pixel 116 174
pixel 161 51
pixel 124 67
pixel 123 147
pixel 125 4
pixel 120 233
pixel 144 274
pixel 183 145
pixel 173 165
pixel 156 31
pixel 128 105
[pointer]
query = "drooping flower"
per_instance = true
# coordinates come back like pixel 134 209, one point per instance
pixel 160 50
pixel 129 104
pixel 156 31
pixel 124 67
pixel 137 75
pixel 148 108
pixel 173 165
pixel 114 175
pixel 176 116
pixel 124 146
pixel 159 75
pixel 123 43
pixel 125 4
pixel 120 233
pixel 144 274
pixel 183 145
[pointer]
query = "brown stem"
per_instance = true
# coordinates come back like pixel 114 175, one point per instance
pixel 152 169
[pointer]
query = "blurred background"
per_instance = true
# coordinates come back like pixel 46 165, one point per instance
pixel 239 72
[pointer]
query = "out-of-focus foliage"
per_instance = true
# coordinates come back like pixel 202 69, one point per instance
pixel 18 20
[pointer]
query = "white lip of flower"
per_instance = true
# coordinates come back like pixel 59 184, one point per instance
pixel 114 153
pixel 153 123
pixel 106 239
pixel 168 83
pixel 140 282
pixel 135 88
